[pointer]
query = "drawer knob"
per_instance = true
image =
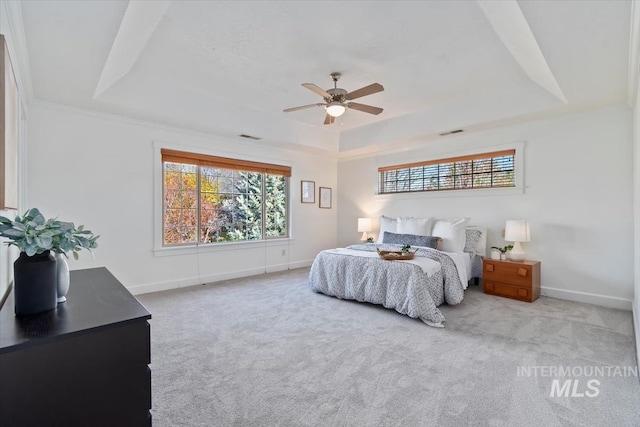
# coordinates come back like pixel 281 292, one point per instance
pixel 489 267
pixel 522 272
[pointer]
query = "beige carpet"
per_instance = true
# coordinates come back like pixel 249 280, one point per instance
pixel 266 351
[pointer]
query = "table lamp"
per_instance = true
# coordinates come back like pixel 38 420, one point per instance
pixel 517 231
pixel 364 226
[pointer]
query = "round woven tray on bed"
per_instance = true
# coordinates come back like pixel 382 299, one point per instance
pixel 396 255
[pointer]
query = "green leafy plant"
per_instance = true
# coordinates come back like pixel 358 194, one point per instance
pixel 504 249
pixel 405 248
pixel 369 239
pixel 73 239
pixel 32 234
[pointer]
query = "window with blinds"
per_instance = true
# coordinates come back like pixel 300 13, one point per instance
pixel 209 199
pixel 487 170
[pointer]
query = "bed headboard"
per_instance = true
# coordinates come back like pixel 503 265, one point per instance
pixel 456 233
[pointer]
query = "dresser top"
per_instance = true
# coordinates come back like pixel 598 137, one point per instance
pixel 96 299
pixel 508 261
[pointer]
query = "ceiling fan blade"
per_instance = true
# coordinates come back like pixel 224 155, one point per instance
pixel 329 119
pixel 366 108
pixel 367 90
pixel 287 110
pixel 316 89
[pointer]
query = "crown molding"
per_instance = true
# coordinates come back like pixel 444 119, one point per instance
pixel 235 140
pixel 634 54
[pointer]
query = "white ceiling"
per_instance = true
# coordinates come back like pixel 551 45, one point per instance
pixel 231 67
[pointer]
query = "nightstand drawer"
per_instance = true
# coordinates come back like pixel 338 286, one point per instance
pixel 522 293
pixel 513 273
pixel 512 279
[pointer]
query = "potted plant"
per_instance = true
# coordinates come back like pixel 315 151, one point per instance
pixel 36 269
pixel 503 250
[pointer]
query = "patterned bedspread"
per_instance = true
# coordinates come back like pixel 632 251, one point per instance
pixel 403 286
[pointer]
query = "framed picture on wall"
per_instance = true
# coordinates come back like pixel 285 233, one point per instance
pixel 325 197
pixel 308 191
pixel 8 131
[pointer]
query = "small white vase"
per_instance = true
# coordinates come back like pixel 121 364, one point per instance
pixel 503 257
pixel 62 276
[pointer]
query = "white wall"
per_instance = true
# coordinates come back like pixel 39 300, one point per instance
pixel 99 171
pixel 578 198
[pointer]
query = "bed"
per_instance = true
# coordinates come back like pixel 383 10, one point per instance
pixel 413 287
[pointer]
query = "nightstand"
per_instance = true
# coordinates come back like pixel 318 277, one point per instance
pixel 512 279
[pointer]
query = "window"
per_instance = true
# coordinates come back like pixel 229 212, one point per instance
pixel 488 170
pixel 210 199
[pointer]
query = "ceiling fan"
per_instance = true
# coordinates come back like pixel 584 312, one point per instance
pixel 335 100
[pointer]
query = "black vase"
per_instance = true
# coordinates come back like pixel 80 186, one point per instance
pixel 34 281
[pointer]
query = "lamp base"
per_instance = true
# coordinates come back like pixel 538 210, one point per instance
pixel 364 237
pixel 516 254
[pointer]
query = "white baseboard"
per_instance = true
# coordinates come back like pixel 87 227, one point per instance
pixel 300 264
pixel 595 299
pixel 636 330
pixel 147 288
pixel 275 268
pixel 192 281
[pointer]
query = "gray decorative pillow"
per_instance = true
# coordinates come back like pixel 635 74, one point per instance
pixel 471 241
pixel 411 239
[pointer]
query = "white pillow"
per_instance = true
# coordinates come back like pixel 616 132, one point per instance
pixel 417 226
pixel 387 224
pixel 451 231
pixel 481 246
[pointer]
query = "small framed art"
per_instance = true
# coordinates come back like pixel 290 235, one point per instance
pixel 307 191
pixel 325 197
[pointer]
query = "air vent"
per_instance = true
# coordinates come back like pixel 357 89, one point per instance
pixel 255 138
pixel 451 132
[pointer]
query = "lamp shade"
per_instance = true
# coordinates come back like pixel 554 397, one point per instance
pixel 517 230
pixel 364 225
pixel 335 109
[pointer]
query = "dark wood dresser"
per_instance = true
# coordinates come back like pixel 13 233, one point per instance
pixel 82 364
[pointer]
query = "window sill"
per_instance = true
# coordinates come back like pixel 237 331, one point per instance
pixel 218 247
pixel 481 192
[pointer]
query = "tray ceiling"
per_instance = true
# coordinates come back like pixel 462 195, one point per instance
pixel 232 67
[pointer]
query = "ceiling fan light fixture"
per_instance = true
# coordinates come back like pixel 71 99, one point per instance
pixel 335 109
pixel 336 99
